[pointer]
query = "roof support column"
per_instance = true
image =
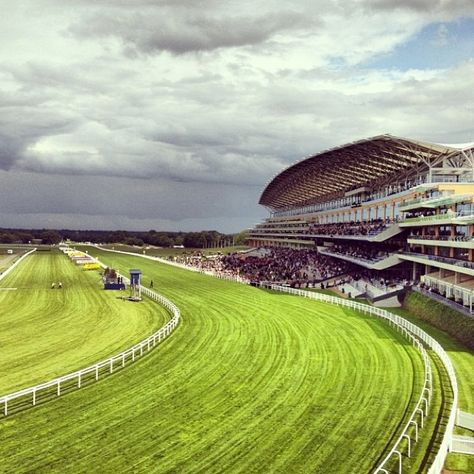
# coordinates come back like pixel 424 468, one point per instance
pixel 470 159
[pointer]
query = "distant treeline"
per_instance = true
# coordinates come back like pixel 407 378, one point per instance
pixel 203 239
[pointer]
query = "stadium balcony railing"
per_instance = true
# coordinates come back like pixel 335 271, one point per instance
pixel 446 238
pixel 451 217
pixel 460 307
pixel 436 258
pixel 442 200
pixel 347 203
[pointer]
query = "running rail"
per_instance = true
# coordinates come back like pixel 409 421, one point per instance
pixel 11 267
pixel 412 332
pixel 127 356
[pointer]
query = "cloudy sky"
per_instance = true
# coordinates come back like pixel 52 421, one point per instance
pixel 174 114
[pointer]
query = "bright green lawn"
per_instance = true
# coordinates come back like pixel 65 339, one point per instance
pixel 6 259
pixel 461 357
pixel 45 333
pixel 251 381
pixel 463 361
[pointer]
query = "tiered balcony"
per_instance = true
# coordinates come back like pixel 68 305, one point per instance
pixel 279 238
pixel 435 202
pixel 379 264
pixel 449 218
pixel 446 263
pixel 462 293
pixel 442 241
pixel 386 234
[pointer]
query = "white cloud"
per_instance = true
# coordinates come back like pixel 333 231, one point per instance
pixel 207 94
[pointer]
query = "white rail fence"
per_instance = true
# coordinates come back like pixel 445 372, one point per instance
pixel 12 267
pixel 465 420
pixel 412 332
pixel 463 444
pixel 421 410
pixel 104 367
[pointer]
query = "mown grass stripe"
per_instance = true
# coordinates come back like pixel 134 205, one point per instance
pixel 252 382
pixel 46 333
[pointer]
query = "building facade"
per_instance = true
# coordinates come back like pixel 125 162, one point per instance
pixel 387 204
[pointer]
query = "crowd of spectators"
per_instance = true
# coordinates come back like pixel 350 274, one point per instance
pixel 383 280
pixel 279 265
pixel 297 267
pixel 285 265
pixel 372 227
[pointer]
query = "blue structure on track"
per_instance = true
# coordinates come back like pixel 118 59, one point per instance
pixel 135 282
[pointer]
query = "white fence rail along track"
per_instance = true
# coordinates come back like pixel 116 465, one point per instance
pixel 12 267
pixel 415 335
pixel 31 394
pixel 421 410
pixel 463 444
pixel 465 420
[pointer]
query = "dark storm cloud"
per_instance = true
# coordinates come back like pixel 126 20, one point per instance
pixel 179 31
pixel 174 114
pixel 108 203
pixel 11 150
pixel 446 6
pixel 22 125
pixel 127 131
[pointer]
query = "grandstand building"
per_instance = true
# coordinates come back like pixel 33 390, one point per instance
pixel 388 204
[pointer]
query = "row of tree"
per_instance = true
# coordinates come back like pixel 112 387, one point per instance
pixel 203 239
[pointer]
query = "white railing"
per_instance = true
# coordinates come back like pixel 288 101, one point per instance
pixel 127 356
pixel 465 420
pixel 11 267
pixel 409 330
pixel 463 444
pixel 412 332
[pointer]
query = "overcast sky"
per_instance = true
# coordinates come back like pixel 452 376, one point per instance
pixel 174 114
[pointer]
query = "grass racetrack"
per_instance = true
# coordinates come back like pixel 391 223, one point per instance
pixel 463 361
pixel 46 333
pixel 251 381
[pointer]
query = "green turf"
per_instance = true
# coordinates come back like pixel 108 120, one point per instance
pixel 251 381
pixel 45 333
pixel 461 357
pixel 463 361
pixel 6 260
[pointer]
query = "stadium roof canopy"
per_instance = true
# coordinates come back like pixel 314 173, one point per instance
pixel 370 163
